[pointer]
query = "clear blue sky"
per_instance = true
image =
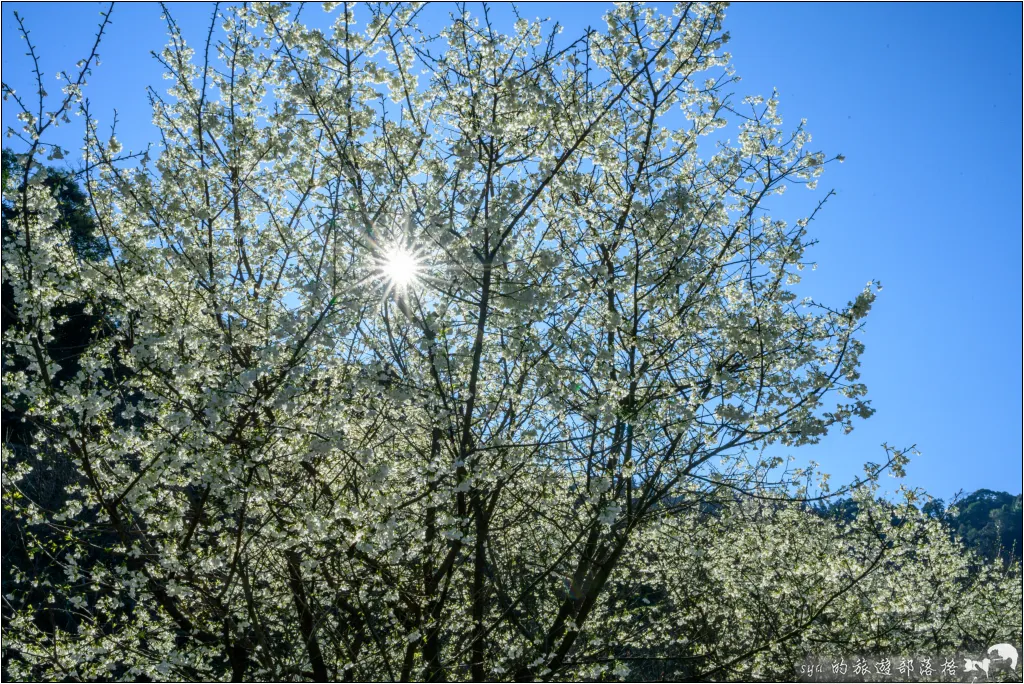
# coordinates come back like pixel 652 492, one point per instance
pixel 925 102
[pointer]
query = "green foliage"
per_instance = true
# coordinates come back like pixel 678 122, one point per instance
pixel 990 523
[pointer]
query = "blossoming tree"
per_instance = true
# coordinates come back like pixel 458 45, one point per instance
pixel 432 355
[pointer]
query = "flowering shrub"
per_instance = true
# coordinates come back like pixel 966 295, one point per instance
pixel 443 357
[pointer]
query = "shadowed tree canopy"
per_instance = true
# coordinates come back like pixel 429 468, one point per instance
pixel 74 217
pixel 987 522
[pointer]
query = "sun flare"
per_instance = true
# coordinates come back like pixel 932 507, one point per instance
pixel 400 266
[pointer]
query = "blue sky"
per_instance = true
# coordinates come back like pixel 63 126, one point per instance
pixel 925 102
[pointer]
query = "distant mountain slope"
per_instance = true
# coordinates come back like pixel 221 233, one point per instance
pixel 988 522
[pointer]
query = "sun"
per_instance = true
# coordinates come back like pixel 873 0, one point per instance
pixel 400 266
